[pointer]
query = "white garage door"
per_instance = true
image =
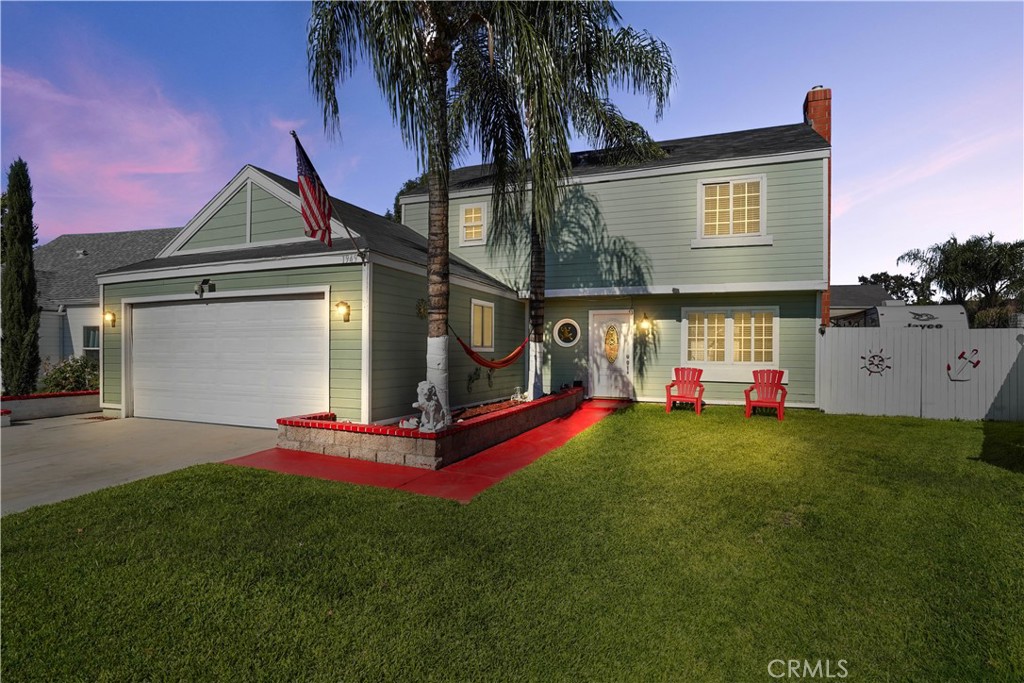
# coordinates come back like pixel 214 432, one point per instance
pixel 230 361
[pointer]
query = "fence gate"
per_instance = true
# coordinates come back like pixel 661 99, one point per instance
pixel 944 374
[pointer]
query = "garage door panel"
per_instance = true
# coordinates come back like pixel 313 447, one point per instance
pixel 245 362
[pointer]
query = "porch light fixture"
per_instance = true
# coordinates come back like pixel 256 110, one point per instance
pixel 646 324
pixel 110 318
pixel 344 311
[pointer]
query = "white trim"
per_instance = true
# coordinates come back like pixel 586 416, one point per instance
pixel 127 303
pixel 482 241
pixel 365 388
pixel 233 294
pixel 650 172
pixel 762 223
pixel 826 246
pixel 331 258
pixel 731 241
pixel 726 402
pixel 474 303
pixel 785 286
pixel 592 366
pixel 110 406
pixel 817 347
pixel 247 176
pixel 565 345
pixel 416 269
pixel 102 362
pixel 244 245
pixel 248 211
pixel 729 370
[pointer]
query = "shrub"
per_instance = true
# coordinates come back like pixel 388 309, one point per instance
pixel 77 373
pixel 1000 316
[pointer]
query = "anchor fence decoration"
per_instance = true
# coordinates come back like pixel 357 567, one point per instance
pixel 964 361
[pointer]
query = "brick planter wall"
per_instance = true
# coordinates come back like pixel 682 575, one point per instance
pixel 35 406
pixel 320 433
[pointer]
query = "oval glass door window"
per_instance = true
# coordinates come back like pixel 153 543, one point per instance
pixel 611 344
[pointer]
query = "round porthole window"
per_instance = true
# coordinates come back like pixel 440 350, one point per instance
pixel 567 332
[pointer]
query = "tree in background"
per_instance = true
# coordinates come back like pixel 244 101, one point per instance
pixel 20 312
pixel 979 273
pixel 523 126
pixel 902 287
pixel 395 212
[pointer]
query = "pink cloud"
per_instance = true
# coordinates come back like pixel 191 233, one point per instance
pixel 110 152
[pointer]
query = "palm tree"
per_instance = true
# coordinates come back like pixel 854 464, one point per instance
pixel 979 265
pixel 412 47
pixel 592 53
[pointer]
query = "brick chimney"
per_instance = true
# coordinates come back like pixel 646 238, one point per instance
pixel 818 111
pixel 818 115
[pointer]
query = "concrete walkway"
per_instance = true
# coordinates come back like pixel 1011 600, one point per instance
pixel 52 459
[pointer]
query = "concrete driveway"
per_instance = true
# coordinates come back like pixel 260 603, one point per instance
pixel 47 460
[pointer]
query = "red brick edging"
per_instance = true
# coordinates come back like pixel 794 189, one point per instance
pixel 60 394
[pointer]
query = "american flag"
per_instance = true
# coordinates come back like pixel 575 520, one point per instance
pixel 316 203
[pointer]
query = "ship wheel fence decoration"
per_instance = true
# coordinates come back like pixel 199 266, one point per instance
pixel 876 362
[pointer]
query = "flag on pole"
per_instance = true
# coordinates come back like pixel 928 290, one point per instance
pixel 316 203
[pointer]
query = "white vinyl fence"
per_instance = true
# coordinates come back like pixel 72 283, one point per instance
pixel 935 373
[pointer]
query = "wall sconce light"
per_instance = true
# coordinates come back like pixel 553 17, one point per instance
pixel 110 318
pixel 204 286
pixel 344 311
pixel 646 324
pixel 821 330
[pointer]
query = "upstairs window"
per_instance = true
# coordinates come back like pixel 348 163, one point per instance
pixel 473 224
pixel 732 209
pixel 482 322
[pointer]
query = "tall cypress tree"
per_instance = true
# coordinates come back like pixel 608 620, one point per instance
pixel 19 353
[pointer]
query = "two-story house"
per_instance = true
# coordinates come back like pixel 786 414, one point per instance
pixel 715 256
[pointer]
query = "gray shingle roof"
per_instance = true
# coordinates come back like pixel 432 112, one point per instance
pixel 787 139
pixel 376 234
pixel 858 296
pixel 66 267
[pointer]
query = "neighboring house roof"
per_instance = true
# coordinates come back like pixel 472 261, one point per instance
pixel 757 142
pixel 858 296
pixel 375 234
pixel 66 267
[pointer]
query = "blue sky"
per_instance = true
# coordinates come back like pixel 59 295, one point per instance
pixel 133 115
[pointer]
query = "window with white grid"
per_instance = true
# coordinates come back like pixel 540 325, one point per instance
pixel 738 338
pixel 706 337
pixel 474 225
pixel 732 207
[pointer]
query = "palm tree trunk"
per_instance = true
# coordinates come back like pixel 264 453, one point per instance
pixel 538 259
pixel 439 166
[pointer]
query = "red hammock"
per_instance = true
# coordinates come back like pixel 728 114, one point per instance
pixel 493 364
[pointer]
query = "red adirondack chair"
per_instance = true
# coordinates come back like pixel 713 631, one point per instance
pixel 685 388
pixel 770 392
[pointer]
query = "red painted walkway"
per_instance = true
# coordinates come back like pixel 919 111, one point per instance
pixel 461 481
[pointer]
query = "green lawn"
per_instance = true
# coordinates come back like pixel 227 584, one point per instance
pixel 652 547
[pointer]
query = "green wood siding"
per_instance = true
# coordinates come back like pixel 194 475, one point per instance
pixel 225 228
pixel 400 347
pixel 272 219
pixel 798 326
pixel 650 222
pixel 345 338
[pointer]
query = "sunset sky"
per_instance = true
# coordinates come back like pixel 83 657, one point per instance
pixel 133 115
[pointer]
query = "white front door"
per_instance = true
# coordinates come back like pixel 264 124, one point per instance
pixel 611 354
